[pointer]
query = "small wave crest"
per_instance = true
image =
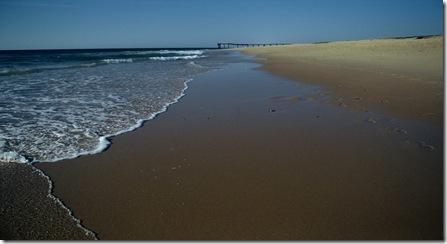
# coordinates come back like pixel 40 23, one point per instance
pixel 12 157
pixel 16 71
pixel 9 156
pixel 194 65
pixel 41 62
pixel 183 52
pixel 117 60
pixel 176 57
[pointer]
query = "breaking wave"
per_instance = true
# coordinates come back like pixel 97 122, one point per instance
pixel 51 112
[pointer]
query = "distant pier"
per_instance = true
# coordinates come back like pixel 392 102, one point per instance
pixel 233 45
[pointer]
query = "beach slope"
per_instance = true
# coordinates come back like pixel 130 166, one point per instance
pixel 403 76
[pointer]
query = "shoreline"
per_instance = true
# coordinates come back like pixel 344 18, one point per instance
pixel 246 155
pixel 30 212
pixel 250 156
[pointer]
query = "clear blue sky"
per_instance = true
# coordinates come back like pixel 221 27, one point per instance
pixel 54 24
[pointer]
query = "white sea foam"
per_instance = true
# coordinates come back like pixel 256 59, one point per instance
pixel 50 195
pixel 117 60
pixel 104 143
pixel 56 114
pixel 177 57
pixel 12 157
pixel 183 52
pixel 59 114
pixel 194 65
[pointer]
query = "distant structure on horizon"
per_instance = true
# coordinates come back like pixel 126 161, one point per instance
pixel 232 45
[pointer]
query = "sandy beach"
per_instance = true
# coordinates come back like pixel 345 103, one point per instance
pixel 402 76
pixel 28 212
pixel 331 141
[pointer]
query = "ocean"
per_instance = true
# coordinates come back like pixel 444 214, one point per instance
pixel 60 104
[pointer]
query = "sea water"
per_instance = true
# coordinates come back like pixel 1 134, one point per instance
pixel 59 104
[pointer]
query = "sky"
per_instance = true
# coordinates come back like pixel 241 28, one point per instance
pixel 72 24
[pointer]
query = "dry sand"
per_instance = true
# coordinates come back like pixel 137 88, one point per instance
pixel 246 156
pixel 400 76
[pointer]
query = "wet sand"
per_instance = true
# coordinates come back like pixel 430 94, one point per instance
pixel 27 213
pixel 246 155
